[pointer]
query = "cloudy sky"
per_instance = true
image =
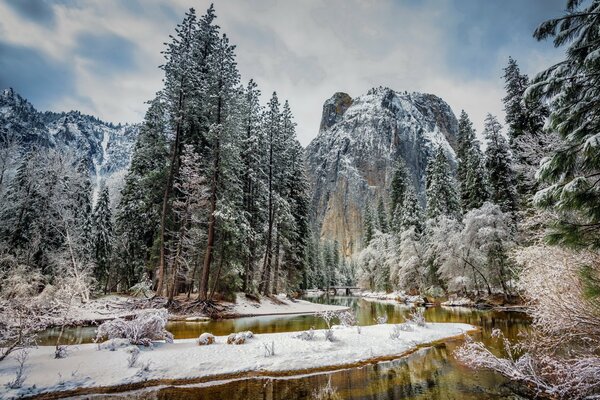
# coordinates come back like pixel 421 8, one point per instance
pixel 102 56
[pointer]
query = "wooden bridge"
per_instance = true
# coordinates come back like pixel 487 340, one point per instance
pixel 348 289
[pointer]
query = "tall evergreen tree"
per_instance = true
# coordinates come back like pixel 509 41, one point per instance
pixel 498 166
pixel 382 216
pixel 103 237
pixel 138 214
pixel 225 179
pixel 474 188
pixel 525 117
pixel 273 129
pixel 412 215
pixel 466 139
pixel 253 159
pixel 442 198
pixel 398 186
pixel 573 88
pixel 368 225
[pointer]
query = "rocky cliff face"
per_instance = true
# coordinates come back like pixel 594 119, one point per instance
pixel 105 146
pixel 350 163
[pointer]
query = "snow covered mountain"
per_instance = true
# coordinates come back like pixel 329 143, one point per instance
pixel 351 162
pixel 106 146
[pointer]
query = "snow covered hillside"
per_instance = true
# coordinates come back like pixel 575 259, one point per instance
pixel 106 147
pixel 351 161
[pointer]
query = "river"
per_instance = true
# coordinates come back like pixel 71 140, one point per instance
pixel 430 373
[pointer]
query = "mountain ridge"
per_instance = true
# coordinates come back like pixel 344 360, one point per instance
pixel 351 161
pixel 105 146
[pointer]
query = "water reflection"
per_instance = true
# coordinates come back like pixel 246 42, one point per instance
pixel 431 373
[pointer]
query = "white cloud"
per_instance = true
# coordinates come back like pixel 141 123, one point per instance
pixel 305 50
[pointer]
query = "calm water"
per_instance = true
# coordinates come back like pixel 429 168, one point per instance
pixel 430 373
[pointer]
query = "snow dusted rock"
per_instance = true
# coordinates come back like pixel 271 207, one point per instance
pixel 205 339
pixel 106 147
pixel 239 338
pixel 351 161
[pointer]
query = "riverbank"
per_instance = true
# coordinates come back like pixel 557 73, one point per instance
pixel 101 309
pixel 496 302
pixel 87 370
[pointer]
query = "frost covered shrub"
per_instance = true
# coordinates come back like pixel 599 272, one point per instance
pixel 147 326
pixel 61 351
pixel 564 317
pixel 21 358
pixel 348 319
pixel 398 329
pixel 382 320
pixel 306 335
pixel 417 317
pixel 205 339
pixel 269 349
pixel 134 355
pixel 328 317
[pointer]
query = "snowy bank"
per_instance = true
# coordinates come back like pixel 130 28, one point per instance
pixel 401 297
pixel 277 305
pixel 87 369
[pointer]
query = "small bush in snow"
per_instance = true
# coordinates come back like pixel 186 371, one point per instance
pixel 144 369
pixel 417 317
pixel 205 339
pixel 146 326
pixel 398 329
pixel 269 349
pixel 348 319
pixel 329 335
pixel 61 351
pixel 134 355
pixel 21 358
pixel 306 335
pixel 382 320
pixel 328 317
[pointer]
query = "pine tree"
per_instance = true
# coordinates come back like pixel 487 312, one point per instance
pixel 368 225
pixel 474 188
pixel 138 214
pixel 225 172
pixel 180 84
pixel 253 158
pixel 398 185
pixel 273 128
pixel 466 139
pixel 442 199
pixel 412 215
pixel 103 237
pixel 525 118
pixel 382 216
pixel 573 88
pixel 524 115
pixel 498 166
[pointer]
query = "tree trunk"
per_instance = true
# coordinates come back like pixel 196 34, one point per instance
pixel 165 206
pixel 203 289
pixel 266 274
pixel 276 270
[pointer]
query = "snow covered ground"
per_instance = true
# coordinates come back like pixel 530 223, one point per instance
pixel 245 307
pixel 87 367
